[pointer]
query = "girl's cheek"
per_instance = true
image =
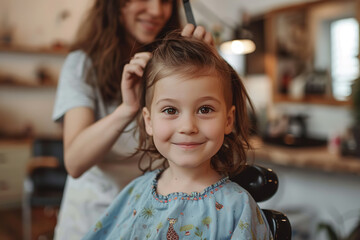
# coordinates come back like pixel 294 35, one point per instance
pixel 163 130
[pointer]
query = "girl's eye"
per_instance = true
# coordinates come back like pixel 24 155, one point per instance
pixel 170 111
pixel 205 110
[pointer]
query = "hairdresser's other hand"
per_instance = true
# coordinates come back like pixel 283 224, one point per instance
pixel 198 32
pixel 131 82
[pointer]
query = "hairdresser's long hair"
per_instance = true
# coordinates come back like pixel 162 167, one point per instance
pixel 188 56
pixel 103 38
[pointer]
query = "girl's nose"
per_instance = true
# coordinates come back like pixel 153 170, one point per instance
pixel 188 125
pixel 154 7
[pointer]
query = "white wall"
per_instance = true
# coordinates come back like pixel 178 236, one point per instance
pixel 39 22
pixel 230 11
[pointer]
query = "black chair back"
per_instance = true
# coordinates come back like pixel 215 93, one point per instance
pixel 262 184
pixel 48 183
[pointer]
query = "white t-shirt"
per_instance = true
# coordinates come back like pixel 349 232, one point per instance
pixel 86 198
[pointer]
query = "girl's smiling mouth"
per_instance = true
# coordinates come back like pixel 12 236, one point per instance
pixel 188 145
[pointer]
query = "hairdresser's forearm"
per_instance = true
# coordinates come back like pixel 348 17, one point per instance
pixel 89 147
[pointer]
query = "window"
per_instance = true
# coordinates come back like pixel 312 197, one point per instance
pixel 344 37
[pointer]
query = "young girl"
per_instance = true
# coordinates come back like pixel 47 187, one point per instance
pixel 195 125
pixel 97 108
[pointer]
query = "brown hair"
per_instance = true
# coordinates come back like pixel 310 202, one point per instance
pixel 103 38
pixel 189 56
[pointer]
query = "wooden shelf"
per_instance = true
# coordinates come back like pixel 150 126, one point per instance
pixel 26 85
pixel 7 81
pixel 29 50
pixel 311 99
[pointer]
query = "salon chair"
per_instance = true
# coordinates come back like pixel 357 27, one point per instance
pixel 262 184
pixel 44 184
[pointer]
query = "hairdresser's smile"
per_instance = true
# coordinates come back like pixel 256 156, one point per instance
pixel 145 19
pixel 150 25
pixel 188 119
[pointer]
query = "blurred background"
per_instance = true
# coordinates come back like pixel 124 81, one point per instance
pixel 303 78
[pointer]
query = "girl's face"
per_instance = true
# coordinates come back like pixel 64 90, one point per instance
pixel 144 19
pixel 188 119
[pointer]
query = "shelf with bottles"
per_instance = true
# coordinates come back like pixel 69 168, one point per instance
pixel 308 87
pixel 293 53
pixel 4 85
pixel 43 79
pixel 311 99
pixel 56 50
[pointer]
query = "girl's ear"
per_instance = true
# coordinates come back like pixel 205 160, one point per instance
pixel 230 120
pixel 147 120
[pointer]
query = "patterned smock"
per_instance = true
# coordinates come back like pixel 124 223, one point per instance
pixel 223 210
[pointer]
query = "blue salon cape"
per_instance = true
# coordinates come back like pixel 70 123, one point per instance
pixel 223 210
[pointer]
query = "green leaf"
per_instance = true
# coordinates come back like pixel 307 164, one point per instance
pixel 99 225
pixel 186 227
pixel 207 220
pixel 329 229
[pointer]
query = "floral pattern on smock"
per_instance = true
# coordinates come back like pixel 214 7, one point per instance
pixel 223 210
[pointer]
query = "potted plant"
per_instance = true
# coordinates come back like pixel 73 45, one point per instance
pixel 335 233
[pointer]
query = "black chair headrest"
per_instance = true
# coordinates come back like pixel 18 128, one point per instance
pixel 261 183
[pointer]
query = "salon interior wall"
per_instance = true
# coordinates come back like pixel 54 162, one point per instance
pixel 34 24
pixel 323 121
pixel 41 23
pixel 306 196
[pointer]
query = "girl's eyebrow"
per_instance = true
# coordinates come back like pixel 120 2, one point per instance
pixel 205 98
pixel 210 98
pixel 165 100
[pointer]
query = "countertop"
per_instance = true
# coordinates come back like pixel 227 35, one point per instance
pixel 308 157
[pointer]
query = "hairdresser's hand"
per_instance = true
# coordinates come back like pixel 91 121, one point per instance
pixel 131 82
pixel 198 32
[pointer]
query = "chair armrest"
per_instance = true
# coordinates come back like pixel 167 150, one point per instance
pixel 279 224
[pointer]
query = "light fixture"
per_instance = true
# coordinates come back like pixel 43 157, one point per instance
pixel 238 46
pixel 241 43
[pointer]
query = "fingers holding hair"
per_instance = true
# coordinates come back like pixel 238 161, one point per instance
pixel 188 30
pixel 198 32
pixel 131 80
pixel 140 59
pixel 135 68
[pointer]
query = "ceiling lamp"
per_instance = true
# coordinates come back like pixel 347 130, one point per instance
pixel 238 46
pixel 242 42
